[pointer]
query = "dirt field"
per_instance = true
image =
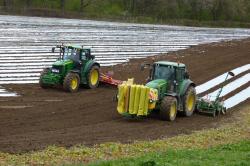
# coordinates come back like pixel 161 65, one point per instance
pixel 52 117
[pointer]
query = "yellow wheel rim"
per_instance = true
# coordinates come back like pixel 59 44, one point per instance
pixel 94 77
pixel 74 83
pixel 190 102
pixel 173 110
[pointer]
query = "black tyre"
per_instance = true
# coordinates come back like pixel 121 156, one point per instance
pixel 44 72
pixel 93 77
pixel 189 101
pixel 71 82
pixel 168 108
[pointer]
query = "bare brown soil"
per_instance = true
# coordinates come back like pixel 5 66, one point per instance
pixel 40 118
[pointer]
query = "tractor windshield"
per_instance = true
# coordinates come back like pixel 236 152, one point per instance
pixel 164 72
pixel 71 54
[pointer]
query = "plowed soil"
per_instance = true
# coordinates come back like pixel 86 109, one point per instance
pixel 43 117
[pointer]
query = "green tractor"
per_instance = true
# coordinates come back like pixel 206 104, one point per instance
pixel 75 67
pixel 168 91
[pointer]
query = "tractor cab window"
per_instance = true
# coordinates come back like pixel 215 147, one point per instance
pixel 164 72
pixel 180 74
pixel 84 55
pixel 71 54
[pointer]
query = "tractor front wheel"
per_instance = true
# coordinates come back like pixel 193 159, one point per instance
pixel 44 72
pixel 168 108
pixel 189 101
pixel 93 77
pixel 71 82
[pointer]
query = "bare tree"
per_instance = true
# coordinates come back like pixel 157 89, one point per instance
pixel 84 3
pixel 62 4
pixel 7 4
pixel 132 6
pixel 4 3
pixel 28 2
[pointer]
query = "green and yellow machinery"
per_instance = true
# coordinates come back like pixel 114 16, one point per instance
pixel 75 66
pixel 213 107
pixel 169 89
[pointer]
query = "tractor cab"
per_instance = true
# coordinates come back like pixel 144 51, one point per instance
pixel 163 72
pixel 169 71
pixel 71 54
pixel 167 76
pixel 74 53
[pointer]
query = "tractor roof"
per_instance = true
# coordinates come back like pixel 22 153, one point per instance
pixel 167 63
pixel 76 46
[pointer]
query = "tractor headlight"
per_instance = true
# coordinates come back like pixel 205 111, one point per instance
pixel 55 70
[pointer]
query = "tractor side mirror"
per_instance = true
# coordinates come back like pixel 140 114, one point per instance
pixel 145 65
pixel 53 49
pixel 142 67
pixel 186 75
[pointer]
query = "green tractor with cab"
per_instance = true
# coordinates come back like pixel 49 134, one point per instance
pixel 75 66
pixel 169 90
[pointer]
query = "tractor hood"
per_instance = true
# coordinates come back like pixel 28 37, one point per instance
pixel 63 62
pixel 156 84
pixel 62 66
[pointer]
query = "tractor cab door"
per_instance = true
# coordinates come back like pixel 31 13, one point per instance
pixel 180 72
pixel 172 79
pixel 88 55
pixel 85 56
pixel 76 57
pixel 83 60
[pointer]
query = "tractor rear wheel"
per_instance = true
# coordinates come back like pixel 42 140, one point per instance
pixel 168 108
pixel 71 82
pixel 189 101
pixel 44 72
pixel 93 77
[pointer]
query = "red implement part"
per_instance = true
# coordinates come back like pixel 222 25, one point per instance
pixel 109 80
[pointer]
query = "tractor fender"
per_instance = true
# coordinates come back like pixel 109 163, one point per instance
pixel 185 86
pixel 89 65
pixel 86 69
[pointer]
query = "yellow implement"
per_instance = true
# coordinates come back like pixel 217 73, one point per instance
pixel 135 99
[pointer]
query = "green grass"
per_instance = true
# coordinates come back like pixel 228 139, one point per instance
pixel 230 154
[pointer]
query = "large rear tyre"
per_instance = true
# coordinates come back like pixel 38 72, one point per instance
pixel 44 72
pixel 168 108
pixel 189 101
pixel 93 77
pixel 71 82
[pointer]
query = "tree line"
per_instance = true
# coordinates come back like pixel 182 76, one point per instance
pixel 158 10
